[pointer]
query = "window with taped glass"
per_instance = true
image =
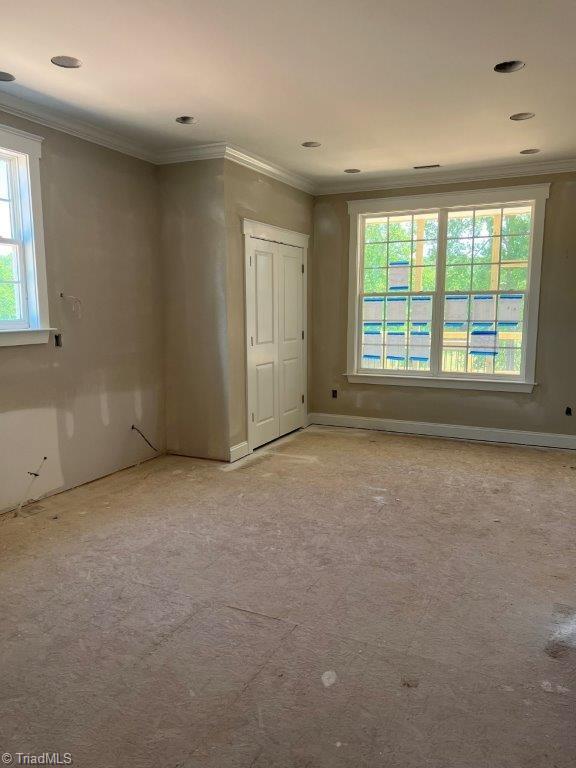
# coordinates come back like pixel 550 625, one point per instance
pixel 445 291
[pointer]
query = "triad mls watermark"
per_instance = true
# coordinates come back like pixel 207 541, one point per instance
pixel 40 758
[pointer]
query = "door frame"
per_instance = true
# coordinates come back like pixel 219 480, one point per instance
pixel 257 230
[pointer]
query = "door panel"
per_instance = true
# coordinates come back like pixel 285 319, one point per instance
pixel 274 304
pixel 292 274
pixel 291 392
pixel 265 393
pixel 290 338
pixel 262 315
pixel 265 299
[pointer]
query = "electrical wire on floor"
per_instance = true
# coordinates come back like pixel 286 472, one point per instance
pixel 33 477
pixel 143 436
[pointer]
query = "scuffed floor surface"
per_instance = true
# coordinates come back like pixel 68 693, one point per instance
pixel 343 599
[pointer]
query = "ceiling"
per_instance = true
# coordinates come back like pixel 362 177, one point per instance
pixel 383 84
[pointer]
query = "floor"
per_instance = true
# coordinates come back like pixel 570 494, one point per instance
pixel 343 598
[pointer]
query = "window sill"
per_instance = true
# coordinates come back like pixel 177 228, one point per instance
pixel 495 385
pixel 25 336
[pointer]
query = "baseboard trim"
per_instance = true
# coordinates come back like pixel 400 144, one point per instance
pixel 239 451
pixel 458 431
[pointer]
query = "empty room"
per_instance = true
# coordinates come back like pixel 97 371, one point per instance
pixel 288 384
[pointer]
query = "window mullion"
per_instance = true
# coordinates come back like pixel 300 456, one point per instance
pixel 438 308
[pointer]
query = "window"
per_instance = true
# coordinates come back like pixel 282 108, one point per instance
pixel 23 299
pixel 444 288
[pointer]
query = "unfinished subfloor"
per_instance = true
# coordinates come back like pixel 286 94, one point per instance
pixel 342 598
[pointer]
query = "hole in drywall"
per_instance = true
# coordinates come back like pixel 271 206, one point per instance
pixel 57 339
pixel 568 411
pixel 334 393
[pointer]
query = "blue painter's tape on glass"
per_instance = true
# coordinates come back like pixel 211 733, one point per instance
pixel 395 357
pixel 481 324
pixel 483 353
pixel 397 298
pixel 399 263
pixel 421 298
pixel 456 298
pixel 371 357
pixel 417 359
pixel 454 325
pixel 395 333
pixel 398 287
pixel 374 298
pixel 483 333
pixel 506 324
pixel 372 333
pixel 482 298
pixel 419 333
pixel 511 296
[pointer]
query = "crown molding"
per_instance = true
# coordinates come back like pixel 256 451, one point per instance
pixel 82 130
pixel 215 151
pixel 260 165
pixel 222 150
pixel 510 171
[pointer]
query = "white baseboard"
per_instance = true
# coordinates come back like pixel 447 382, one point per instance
pixel 485 434
pixel 239 451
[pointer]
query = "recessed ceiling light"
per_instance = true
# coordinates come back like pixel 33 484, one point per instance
pixel 6 77
pixel 68 62
pixel 529 151
pixel 522 116
pixel 505 67
pixel 311 144
pixel 422 167
pixel 352 170
pixel 186 120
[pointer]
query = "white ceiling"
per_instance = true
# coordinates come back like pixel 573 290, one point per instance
pixel 383 84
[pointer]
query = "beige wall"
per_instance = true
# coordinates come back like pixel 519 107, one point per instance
pixel 543 410
pixel 251 195
pixel 76 404
pixel 194 253
pixel 156 256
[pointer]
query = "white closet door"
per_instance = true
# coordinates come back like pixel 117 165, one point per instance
pixel 274 312
pixel 262 309
pixel 290 338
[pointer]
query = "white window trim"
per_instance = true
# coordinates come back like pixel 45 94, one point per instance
pixel 496 196
pixel 27 149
